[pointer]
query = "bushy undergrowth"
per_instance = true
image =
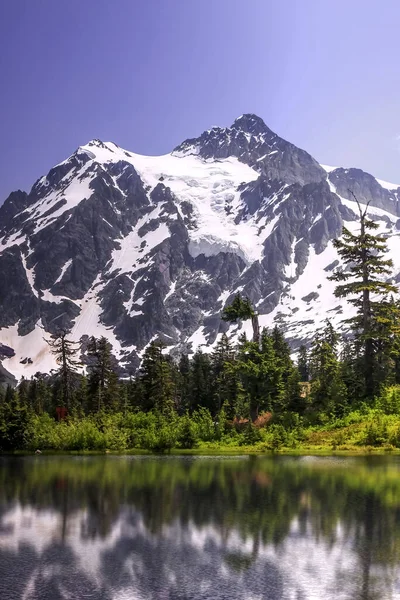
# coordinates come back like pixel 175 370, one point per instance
pixel 148 431
pixel 152 431
pixel 376 426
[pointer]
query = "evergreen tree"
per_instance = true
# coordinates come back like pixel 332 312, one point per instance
pixel 351 370
pixel 364 283
pixel 65 352
pixel 276 355
pixel 387 343
pixel 296 401
pixel 184 383
pixel 156 380
pixel 39 395
pixel 201 384
pixel 241 309
pixel 134 392
pixel 14 420
pixel 23 392
pixel 328 392
pixel 224 376
pixel 80 396
pixel 289 373
pixel 102 375
pixel 260 375
pixel 302 363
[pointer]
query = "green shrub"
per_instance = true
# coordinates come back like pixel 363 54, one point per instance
pixel 42 433
pixel 139 426
pixel 389 401
pixel 394 437
pixel 250 436
pixel 204 423
pixel 375 433
pixel 187 434
pixel 161 440
pixel 279 437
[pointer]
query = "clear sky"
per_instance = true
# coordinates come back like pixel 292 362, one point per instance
pixel 147 74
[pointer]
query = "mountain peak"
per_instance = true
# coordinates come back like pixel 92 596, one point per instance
pixel 219 142
pixel 250 123
pixel 97 143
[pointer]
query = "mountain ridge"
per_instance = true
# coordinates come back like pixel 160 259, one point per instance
pixel 133 247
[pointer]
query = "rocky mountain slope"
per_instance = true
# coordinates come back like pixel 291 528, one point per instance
pixel 142 247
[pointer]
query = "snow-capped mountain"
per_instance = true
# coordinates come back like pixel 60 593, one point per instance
pixel 142 247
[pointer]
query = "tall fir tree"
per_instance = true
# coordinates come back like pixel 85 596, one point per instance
pixel 303 363
pixel 290 375
pixel 364 282
pixel 102 375
pixel 14 421
pixel 39 395
pixel 156 380
pixel 184 384
pixel 65 352
pixel 201 383
pixel 351 370
pixel 260 375
pixel 224 375
pixel 328 392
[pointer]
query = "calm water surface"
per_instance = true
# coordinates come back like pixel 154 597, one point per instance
pixel 183 528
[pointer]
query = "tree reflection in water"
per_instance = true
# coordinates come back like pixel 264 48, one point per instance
pixel 207 528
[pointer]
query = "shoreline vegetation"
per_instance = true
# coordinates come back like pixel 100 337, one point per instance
pixel 220 451
pixel 361 432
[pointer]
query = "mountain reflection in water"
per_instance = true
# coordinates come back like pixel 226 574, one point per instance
pixel 185 528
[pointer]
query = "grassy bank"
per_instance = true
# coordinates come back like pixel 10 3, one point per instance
pixel 360 432
pixel 365 430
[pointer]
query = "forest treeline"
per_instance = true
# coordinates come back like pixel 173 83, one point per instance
pixel 241 394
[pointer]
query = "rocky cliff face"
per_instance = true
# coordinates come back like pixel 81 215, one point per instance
pixel 137 248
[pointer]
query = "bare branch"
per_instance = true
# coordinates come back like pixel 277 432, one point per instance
pixel 362 214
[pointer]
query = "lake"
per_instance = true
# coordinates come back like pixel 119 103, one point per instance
pixel 207 528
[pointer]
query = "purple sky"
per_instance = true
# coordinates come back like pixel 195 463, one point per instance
pixel 147 74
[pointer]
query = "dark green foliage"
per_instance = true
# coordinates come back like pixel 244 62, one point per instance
pixel 225 377
pixel 279 437
pixel 187 435
pixel 290 375
pixel 303 364
pixel 364 282
pixel 251 435
pixel 156 380
pixel 40 395
pixel 14 421
pixel 201 392
pixel 260 375
pixel 351 371
pixel 240 308
pixel 184 383
pixel 102 376
pixel 328 391
pixel 65 352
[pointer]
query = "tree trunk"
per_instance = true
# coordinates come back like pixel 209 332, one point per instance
pixel 256 328
pixel 65 382
pixel 253 412
pixel 368 342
